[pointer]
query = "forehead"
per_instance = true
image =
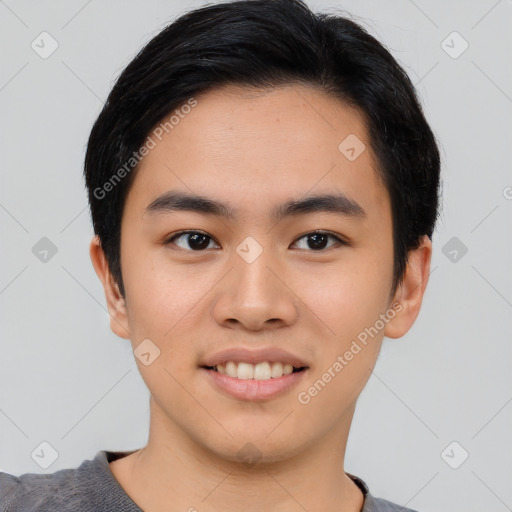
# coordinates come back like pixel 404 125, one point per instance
pixel 256 147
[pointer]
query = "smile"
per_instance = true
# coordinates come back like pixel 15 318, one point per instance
pixel 260 371
pixel 262 381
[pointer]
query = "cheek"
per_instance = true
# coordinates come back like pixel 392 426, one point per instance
pixel 166 302
pixel 347 296
pixel 161 306
pixel 347 307
pixel 334 389
pixel 157 296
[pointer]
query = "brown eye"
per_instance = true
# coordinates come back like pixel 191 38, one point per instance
pixel 198 241
pixel 191 240
pixel 317 240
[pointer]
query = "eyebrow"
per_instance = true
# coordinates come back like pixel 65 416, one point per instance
pixel 330 203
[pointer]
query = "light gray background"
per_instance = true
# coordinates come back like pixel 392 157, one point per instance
pixel 65 379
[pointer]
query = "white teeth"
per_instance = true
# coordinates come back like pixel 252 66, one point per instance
pixel 260 371
pixel 231 369
pixel 245 371
pixel 277 370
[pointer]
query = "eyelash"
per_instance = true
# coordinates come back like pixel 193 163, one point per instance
pixel 315 232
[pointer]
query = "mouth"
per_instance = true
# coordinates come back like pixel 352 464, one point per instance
pixel 254 382
pixel 262 371
pixel 254 374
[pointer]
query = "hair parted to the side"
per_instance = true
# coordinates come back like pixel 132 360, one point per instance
pixel 267 44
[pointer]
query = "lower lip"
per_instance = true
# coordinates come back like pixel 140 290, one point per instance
pixel 252 389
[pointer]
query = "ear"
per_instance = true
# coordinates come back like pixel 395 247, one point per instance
pixel 115 301
pixel 409 294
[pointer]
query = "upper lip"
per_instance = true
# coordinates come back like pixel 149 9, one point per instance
pixel 254 356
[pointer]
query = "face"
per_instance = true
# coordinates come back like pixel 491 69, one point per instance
pixel 255 286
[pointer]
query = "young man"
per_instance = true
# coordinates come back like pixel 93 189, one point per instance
pixel 264 188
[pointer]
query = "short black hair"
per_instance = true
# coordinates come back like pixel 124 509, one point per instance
pixel 266 44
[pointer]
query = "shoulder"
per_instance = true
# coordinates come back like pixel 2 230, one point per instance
pixel 30 490
pixel 373 504
pixel 41 492
pixel 87 487
pixel 9 485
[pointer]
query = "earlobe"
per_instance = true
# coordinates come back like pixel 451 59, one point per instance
pixel 410 292
pixel 115 301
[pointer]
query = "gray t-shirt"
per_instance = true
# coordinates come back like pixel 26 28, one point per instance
pixel 92 487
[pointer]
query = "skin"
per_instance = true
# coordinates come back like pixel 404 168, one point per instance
pixel 253 150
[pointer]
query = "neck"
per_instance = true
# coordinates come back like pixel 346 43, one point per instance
pixel 174 473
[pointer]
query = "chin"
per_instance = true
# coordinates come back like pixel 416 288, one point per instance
pixel 255 450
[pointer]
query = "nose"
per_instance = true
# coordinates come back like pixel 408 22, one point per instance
pixel 254 295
